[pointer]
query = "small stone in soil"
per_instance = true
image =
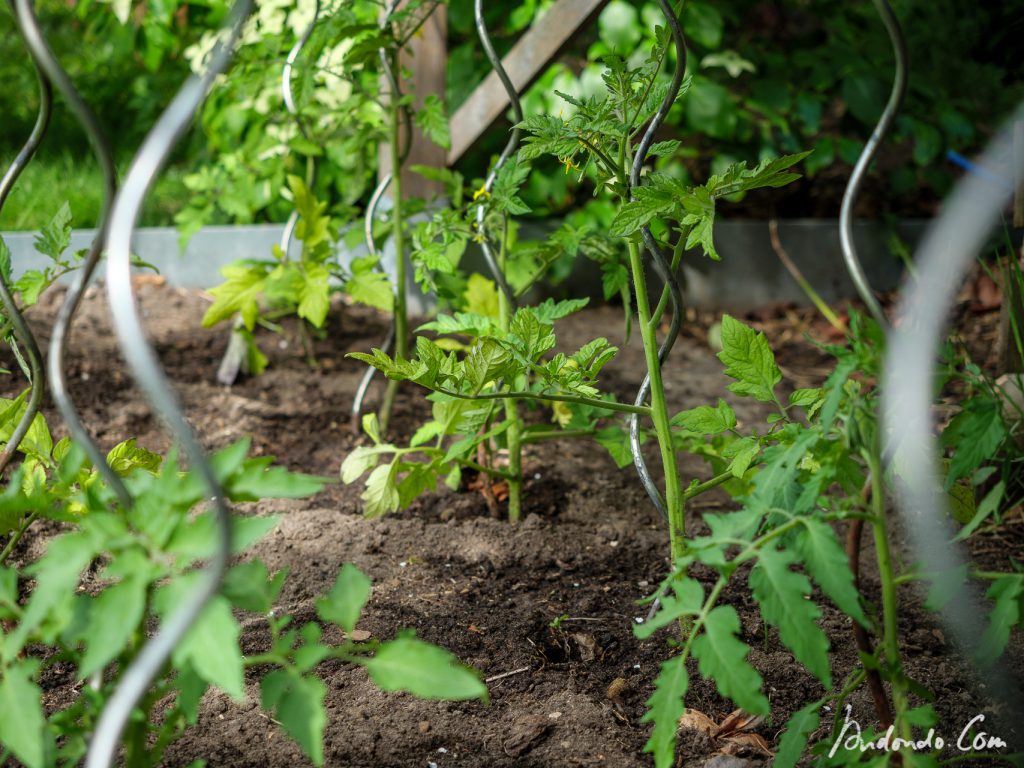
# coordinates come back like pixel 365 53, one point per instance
pixel 728 761
pixel 424 726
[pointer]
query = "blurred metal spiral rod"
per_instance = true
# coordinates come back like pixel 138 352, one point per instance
pixel 47 62
pixel 860 170
pixel 289 103
pixel 661 264
pixel 371 247
pixel 506 153
pixel 145 367
pixel 943 259
pixel 371 215
pixel 21 330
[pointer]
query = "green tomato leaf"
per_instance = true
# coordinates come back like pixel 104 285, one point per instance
pixel 827 564
pixel 113 618
pixel 975 433
pixel 705 420
pixel 362 459
pixel 22 727
pixel 723 659
pixel 1008 594
pixel 749 360
pixel 380 497
pixel 211 645
pixel 371 288
pixel 424 670
pixel 742 453
pixel 55 237
pixel 481 296
pixel 250 587
pixel 239 293
pixel 432 119
pixel 343 605
pixel 37 441
pixel 615 440
pixel 688 600
pixel 313 227
pixel 5 262
pixel 799 727
pixel 124 458
pixel 315 297
pixel 258 480
pixel 783 594
pixel 297 703
pixel 664 709
pixel 30 285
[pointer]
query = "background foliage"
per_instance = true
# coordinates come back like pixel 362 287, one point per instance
pixel 769 78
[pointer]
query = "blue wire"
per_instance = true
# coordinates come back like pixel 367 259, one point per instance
pixel 971 167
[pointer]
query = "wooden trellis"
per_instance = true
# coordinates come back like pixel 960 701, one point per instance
pixel 426 58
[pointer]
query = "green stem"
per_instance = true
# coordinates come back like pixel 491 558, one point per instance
pixel 674 500
pixel 598 153
pixel 492 471
pixel 890 607
pixel 515 424
pixel 608 405
pixel 16 537
pixel 556 434
pixel 398 235
pixel 714 482
pixel 798 276
pixel 677 256
pixel 468 463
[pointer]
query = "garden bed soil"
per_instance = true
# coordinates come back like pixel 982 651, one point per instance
pixel 589 547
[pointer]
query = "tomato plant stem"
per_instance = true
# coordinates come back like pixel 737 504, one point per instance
pixel 515 425
pixel 674 502
pixel 608 405
pixel 16 537
pixel 398 236
pixel 890 607
pixel 556 434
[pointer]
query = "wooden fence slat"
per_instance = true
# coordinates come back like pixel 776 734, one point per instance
pixel 426 57
pixel 527 60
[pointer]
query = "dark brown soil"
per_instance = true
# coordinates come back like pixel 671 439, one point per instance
pixel 589 547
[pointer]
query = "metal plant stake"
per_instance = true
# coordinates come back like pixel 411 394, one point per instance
pixel 151 380
pixel 943 258
pixel 47 62
pixel 371 214
pixel 661 264
pixel 860 170
pixel 20 328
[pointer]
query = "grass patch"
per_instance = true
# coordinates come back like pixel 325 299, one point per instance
pixel 50 180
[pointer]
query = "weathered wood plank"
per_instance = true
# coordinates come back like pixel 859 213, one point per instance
pixel 527 60
pixel 425 56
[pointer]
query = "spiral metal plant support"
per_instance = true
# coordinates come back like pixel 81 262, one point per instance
pixel 367 379
pixel 145 367
pixel 860 170
pixel 942 262
pixel 506 153
pixel 47 62
pixel 371 215
pixel 289 104
pixel 22 332
pixel 661 264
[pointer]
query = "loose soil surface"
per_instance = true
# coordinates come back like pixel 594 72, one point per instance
pixel 589 547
